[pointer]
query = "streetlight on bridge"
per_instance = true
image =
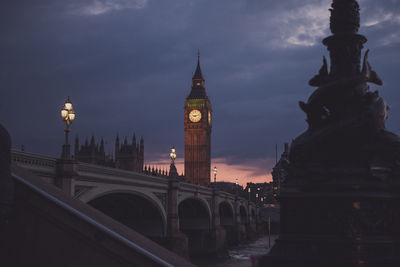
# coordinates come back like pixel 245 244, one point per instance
pixel 172 155
pixel 67 115
pixel 215 174
pixel 172 169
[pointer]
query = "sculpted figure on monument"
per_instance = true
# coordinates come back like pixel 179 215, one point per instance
pixel 342 113
pixel 340 199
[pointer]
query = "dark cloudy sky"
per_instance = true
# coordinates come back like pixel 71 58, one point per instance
pixel 127 64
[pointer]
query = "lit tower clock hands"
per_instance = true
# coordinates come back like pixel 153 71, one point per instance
pixel 195 115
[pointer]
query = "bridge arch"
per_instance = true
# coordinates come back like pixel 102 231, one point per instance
pixel 190 208
pixel 201 200
pixel 243 212
pixel 253 213
pixel 142 211
pixel 195 223
pixel 226 213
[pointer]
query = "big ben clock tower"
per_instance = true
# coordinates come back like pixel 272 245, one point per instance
pixel 198 132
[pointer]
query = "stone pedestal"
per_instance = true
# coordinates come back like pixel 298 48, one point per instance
pixel 176 240
pixel 217 240
pixel 6 183
pixel 239 227
pixel 218 233
pixel 66 175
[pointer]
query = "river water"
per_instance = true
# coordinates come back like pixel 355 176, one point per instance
pixel 241 256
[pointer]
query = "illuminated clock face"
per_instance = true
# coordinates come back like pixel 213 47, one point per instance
pixel 195 115
pixel 209 118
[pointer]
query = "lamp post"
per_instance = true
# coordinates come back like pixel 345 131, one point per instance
pixel 67 115
pixel 172 155
pixel 172 169
pixel 236 186
pixel 249 190
pixel 215 174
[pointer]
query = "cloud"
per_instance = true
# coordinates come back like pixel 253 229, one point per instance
pixel 99 7
pixel 304 25
pixel 381 16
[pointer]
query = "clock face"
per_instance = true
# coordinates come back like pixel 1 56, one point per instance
pixel 195 115
pixel 209 118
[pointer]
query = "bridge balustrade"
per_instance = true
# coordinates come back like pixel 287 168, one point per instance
pixel 200 211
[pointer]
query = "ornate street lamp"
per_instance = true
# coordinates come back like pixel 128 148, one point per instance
pixel 215 174
pixel 249 193
pixel 172 169
pixel 172 155
pixel 67 115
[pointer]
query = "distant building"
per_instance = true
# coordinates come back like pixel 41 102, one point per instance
pixel 127 156
pixel 228 187
pixel 259 193
pixel 280 172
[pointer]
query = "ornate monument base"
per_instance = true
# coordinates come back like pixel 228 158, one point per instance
pixel 340 203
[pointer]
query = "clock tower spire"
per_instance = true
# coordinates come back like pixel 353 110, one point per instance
pixel 197 124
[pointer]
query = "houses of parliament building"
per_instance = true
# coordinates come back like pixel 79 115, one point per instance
pixel 128 156
pixel 197 127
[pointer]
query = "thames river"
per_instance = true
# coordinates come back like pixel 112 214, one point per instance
pixel 241 256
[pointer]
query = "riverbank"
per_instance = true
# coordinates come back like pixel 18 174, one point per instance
pixel 240 256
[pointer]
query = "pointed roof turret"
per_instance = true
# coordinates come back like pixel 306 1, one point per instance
pixel 198 83
pixel 141 148
pixel 76 144
pixel 102 145
pixel 197 74
pixel 134 140
pixel 92 143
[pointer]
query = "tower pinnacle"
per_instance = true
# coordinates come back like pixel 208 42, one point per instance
pixel 198 83
pixel 197 74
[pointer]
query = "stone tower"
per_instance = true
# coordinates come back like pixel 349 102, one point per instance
pixel 90 153
pixel 197 124
pixel 340 199
pixel 129 156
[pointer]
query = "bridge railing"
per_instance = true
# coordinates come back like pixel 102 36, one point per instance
pixel 25 158
pixel 86 169
pixel 195 188
pixel 47 165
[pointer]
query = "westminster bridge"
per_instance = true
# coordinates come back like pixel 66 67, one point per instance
pixel 188 219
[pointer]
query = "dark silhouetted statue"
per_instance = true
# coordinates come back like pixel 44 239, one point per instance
pixel 340 204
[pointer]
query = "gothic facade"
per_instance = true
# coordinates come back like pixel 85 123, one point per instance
pixel 126 156
pixel 129 156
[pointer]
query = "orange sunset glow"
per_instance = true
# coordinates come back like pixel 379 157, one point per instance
pixel 225 172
